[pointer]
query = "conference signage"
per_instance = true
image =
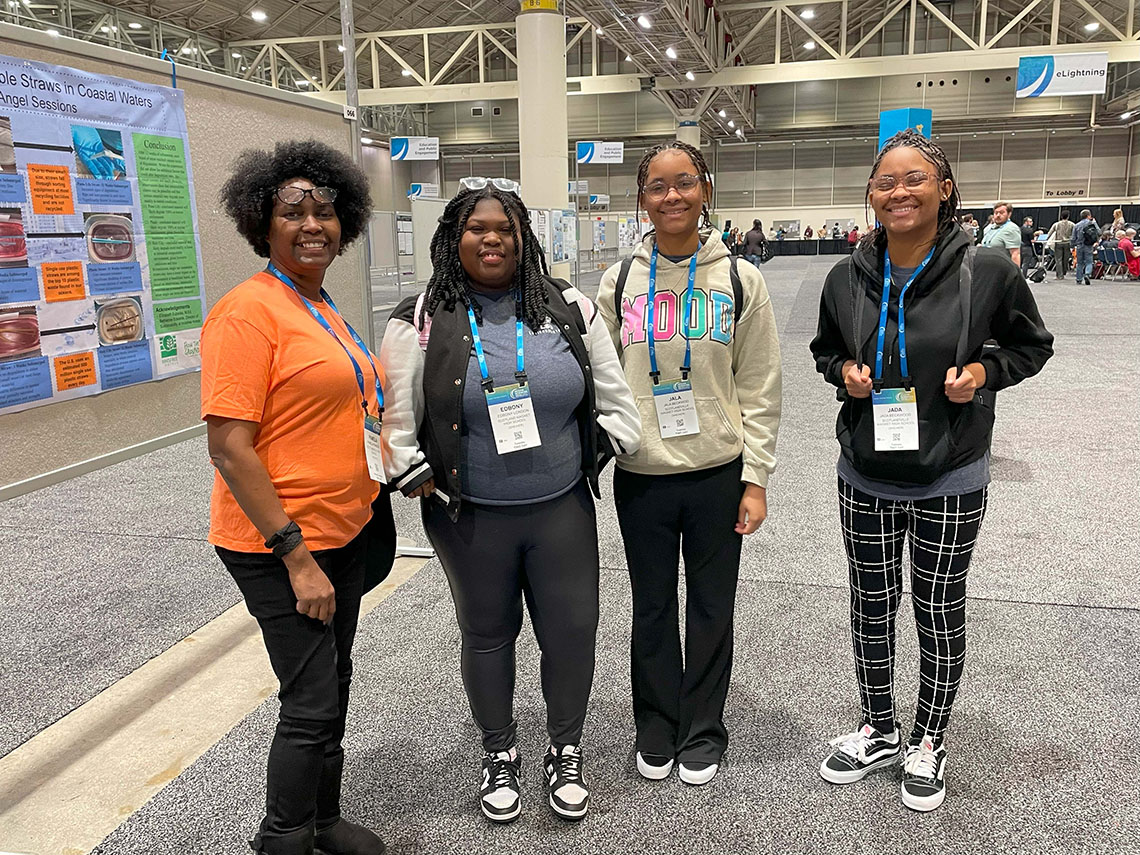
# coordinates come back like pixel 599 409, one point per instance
pixel 599 199
pixel 578 188
pixel 601 152
pixel 424 191
pixel 1062 74
pixel 101 280
pixel 415 148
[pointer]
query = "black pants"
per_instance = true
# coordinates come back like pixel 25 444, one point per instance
pixel 679 708
pixel 941 533
pixel 313 662
pixel 494 557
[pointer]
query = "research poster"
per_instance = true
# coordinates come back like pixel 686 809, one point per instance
pixel 100 268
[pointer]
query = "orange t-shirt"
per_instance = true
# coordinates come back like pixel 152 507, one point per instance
pixel 265 359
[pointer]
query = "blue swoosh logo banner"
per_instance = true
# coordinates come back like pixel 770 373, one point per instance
pixel 585 152
pixel 399 148
pixel 1034 74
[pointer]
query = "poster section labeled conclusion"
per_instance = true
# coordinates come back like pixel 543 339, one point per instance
pixel 100 271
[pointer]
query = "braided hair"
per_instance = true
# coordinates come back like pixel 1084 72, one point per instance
pixel 698 160
pixel 876 239
pixel 449 283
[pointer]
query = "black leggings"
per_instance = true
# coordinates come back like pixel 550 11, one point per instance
pixel 494 556
pixel 941 533
pixel 678 704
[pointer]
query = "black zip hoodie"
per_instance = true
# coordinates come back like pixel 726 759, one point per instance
pixel 1001 307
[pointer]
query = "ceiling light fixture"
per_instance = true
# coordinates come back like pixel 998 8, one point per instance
pixel 809 45
pixel 644 22
pixel 407 72
pixel 52 32
pixel 690 76
pixel 1092 26
pixel 236 55
pixel 600 31
pixel 366 140
pixel 669 52
pixel 135 25
pixel 101 29
pixel 628 58
pixel 722 114
pixel 807 14
pixel 340 48
pixel 302 82
pixel 731 123
pixel 259 16
pixel 1127 115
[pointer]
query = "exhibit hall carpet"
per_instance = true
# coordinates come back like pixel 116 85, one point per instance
pixel 110 569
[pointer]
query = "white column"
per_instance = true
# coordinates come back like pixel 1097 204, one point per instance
pixel 689 130
pixel 543 142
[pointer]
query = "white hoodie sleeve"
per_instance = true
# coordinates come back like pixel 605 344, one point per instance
pixel 403 362
pixel 757 372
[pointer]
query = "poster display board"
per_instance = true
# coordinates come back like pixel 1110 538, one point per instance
pixel 100 268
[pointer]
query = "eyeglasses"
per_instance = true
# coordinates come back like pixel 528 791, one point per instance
pixel 291 195
pixel 684 185
pixel 911 181
pixel 476 183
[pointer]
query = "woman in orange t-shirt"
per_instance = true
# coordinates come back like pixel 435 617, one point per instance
pixel 292 400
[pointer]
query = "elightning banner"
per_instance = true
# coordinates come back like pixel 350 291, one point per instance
pixel 1062 74
pixel 100 271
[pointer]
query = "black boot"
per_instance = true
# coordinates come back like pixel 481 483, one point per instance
pixel 294 843
pixel 347 838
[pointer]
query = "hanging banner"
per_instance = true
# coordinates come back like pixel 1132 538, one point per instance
pixel 100 269
pixel 599 199
pixel 424 191
pixel 578 188
pixel 601 152
pixel 414 148
pixel 1062 74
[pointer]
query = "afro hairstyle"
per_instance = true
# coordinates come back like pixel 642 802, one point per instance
pixel 247 196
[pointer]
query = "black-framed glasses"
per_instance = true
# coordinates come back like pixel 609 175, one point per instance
pixel 911 181
pixel 685 184
pixel 291 195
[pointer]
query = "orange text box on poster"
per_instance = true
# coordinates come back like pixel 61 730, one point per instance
pixel 74 370
pixel 63 280
pixel 51 189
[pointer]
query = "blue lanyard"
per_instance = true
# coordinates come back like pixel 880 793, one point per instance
pixel 520 362
pixel 902 323
pixel 686 366
pixel 356 339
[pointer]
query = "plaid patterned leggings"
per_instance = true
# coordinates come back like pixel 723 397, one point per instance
pixel 942 536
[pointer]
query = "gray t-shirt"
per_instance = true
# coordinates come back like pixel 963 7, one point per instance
pixel 556 387
pixel 957 482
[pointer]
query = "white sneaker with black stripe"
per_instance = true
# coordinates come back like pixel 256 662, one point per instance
pixel 859 753
pixel 923 785
pixel 499 790
pixel 569 796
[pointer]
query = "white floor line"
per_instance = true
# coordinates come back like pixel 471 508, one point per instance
pixel 65 789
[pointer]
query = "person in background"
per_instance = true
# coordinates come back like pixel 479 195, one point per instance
pixel 781 233
pixel 1028 256
pixel 970 226
pixel 1131 252
pixel 754 242
pixel 822 232
pixel 1086 233
pixel 914 442
pixel 836 232
pixel 853 237
pixel 506 487
pixel 290 395
pixel 808 233
pixel 1117 220
pixel 1059 237
pixel 725 236
pixel 1108 240
pixel 1002 233
pixel 708 387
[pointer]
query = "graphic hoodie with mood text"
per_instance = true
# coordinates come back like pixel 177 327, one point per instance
pixel 735 364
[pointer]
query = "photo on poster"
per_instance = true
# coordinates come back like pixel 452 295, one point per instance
pixel 110 237
pixel 7 149
pixel 19 333
pixel 13 241
pixel 98 153
pixel 119 320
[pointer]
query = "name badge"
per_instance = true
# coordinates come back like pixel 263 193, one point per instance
pixel 372 449
pixel 896 420
pixel 512 418
pixel 676 408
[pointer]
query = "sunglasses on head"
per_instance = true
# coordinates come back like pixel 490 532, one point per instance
pixel 291 195
pixel 476 183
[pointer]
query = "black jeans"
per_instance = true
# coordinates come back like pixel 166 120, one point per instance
pixel 678 706
pixel 313 662
pixel 494 557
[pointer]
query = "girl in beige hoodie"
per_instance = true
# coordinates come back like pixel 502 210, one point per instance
pixel 707 383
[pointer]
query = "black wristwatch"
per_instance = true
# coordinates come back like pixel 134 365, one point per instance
pixel 285 539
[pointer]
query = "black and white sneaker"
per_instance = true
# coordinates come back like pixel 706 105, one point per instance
pixel 859 753
pixel 654 767
pixel 499 790
pixel 923 787
pixel 569 796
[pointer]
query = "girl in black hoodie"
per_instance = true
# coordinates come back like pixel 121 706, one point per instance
pixel 902 324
